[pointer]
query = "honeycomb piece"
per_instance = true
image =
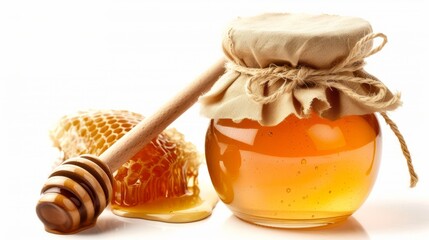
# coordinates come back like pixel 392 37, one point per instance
pixel 167 167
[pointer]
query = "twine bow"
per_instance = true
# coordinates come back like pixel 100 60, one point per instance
pixel 334 77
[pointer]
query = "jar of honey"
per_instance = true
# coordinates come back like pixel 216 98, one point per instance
pixel 299 173
pixel 293 139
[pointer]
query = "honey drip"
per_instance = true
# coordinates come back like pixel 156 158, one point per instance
pixel 159 183
pixel 312 169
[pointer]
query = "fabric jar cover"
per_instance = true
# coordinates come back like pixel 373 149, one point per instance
pixel 276 45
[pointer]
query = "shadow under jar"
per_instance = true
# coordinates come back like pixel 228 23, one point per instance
pixel 300 173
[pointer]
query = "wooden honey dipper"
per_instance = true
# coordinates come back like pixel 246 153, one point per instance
pixel 80 188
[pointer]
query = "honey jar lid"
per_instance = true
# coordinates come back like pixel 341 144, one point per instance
pixel 295 39
pixel 281 64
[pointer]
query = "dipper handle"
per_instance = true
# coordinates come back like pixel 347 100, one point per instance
pixel 80 188
pixel 130 144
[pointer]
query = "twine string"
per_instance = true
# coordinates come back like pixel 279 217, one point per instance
pixel 413 176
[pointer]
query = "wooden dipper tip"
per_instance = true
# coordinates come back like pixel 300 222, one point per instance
pixel 74 195
pixel 58 216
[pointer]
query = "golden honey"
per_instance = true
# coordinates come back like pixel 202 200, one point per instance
pixel 300 173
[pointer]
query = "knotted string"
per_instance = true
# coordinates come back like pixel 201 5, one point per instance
pixel 337 77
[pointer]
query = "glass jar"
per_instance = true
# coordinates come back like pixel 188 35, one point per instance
pixel 300 173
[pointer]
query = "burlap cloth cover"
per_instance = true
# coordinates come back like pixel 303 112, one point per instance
pixel 280 64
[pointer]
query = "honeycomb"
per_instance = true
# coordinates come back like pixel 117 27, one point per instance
pixel 167 167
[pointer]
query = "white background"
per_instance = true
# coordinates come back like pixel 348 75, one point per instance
pixel 57 57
